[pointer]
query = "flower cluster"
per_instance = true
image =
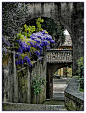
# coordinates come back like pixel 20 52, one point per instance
pixel 33 45
pixel 5 44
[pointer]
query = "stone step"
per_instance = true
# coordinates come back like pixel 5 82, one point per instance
pixel 58 98
pixel 58 94
pixel 61 81
pixel 32 107
pixel 54 102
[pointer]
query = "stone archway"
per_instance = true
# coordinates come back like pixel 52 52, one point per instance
pixel 69 14
pixel 51 69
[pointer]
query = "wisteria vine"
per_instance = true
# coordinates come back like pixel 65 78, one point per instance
pixel 33 45
pixel 29 43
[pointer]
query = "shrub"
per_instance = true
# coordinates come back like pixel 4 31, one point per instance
pixel 80 72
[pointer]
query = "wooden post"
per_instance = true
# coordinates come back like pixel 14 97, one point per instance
pixel 28 86
pixel 15 80
pixel 10 82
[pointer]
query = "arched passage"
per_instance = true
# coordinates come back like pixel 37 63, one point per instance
pixel 51 69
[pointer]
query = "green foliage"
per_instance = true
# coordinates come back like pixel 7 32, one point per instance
pixel 27 30
pixel 80 89
pixel 80 72
pixel 56 73
pixel 37 83
pixel 81 81
pixel 55 29
pixel 38 23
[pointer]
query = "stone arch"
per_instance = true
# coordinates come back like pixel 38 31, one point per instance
pixel 56 66
pixel 14 15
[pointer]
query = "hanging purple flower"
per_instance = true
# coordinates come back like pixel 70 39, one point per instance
pixel 19 61
pixel 15 55
pixel 37 40
pixel 22 62
pixel 28 60
pixel 27 49
pixel 20 50
pixel 16 62
pixel 52 41
pixel 37 53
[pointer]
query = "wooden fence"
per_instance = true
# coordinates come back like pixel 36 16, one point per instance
pixel 17 81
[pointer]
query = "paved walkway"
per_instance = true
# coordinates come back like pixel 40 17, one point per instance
pixel 59 85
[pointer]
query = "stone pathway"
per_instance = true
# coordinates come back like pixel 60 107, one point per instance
pixel 59 85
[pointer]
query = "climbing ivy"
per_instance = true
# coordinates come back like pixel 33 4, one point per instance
pixel 36 86
pixel 37 82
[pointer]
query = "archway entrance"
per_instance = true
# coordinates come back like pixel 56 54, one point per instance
pixel 61 79
pixel 54 79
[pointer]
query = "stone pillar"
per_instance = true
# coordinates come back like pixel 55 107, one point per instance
pixel 77 28
pixel 61 71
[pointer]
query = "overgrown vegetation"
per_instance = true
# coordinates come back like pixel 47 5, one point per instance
pixel 80 72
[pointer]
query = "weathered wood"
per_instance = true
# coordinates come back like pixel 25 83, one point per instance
pixel 15 80
pixel 21 69
pixel 28 86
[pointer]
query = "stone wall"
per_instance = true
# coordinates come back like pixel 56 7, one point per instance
pixel 17 81
pixel 15 14
pixel 7 78
pixel 74 99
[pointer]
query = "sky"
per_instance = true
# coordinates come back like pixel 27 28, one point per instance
pixel 66 32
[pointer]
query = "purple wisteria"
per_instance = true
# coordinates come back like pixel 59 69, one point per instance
pixel 33 45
